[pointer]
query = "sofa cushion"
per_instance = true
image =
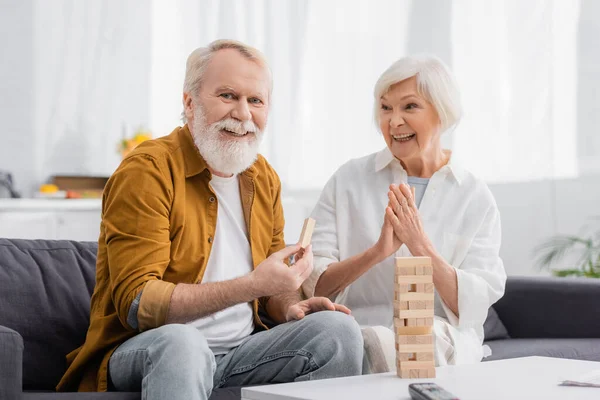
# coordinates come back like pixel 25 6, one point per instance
pixel 493 327
pixel 45 291
pixel 579 349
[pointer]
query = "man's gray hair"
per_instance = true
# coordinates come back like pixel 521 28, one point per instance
pixel 198 61
pixel 434 82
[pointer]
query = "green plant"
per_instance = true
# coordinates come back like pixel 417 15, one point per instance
pixel 587 248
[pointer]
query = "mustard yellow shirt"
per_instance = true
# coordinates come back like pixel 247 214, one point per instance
pixel 159 217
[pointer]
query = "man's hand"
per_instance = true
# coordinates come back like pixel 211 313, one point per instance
pixel 272 276
pixel 314 304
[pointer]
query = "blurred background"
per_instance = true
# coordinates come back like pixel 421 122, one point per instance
pixel 80 81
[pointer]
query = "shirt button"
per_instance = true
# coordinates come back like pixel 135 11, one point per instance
pixel 211 199
pixel 210 239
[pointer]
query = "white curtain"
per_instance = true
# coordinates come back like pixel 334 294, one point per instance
pixel 90 78
pixel 516 63
pixel 275 27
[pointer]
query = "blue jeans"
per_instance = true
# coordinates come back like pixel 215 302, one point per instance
pixel 174 361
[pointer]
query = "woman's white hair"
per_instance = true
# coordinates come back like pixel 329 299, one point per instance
pixel 434 82
pixel 198 61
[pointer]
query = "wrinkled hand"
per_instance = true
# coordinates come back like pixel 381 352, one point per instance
pixel 403 215
pixel 272 276
pixel 388 242
pixel 314 304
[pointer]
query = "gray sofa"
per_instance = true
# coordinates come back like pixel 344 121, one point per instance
pixel 45 290
pixel 553 317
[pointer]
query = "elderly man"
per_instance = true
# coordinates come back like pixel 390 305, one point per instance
pixel 192 242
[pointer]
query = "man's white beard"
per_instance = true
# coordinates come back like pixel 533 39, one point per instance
pixel 221 152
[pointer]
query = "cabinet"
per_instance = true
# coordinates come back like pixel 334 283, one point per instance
pixel 50 219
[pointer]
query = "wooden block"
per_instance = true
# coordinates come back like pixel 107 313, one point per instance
pixel 429 288
pixel 416 373
pixel 410 321
pixel 412 296
pixel 412 330
pixel 420 287
pixel 401 305
pixel 429 321
pixel 419 304
pixel 404 357
pixel 404 373
pixel 414 339
pixel 410 270
pixel 415 348
pixel 403 288
pixel 419 270
pixel 400 328
pixel 307 231
pixel 411 314
pixel 414 279
pixel 425 356
pixel 417 364
pixel 413 261
pixel 427 373
pixel 398 323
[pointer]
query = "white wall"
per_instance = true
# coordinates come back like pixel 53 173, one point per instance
pixel 16 89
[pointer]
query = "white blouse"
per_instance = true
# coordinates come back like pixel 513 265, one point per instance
pixel 460 217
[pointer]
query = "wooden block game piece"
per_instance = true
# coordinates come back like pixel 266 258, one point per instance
pixel 425 356
pixel 414 279
pixel 414 339
pixel 307 231
pixel 414 296
pixel 402 305
pixel 429 288
pixel 420 304
pixel 403 288
pixel 427 373
pixel 412 314
pixel 412 330
pixel 415 348
pixel 406 270
pixel 413 262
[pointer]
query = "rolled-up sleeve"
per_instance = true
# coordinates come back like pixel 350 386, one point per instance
pixel 481 276
pixel 135 218
pixel 325 238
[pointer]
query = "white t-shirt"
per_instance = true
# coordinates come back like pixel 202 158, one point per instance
pixel 229 258
pixel 459 216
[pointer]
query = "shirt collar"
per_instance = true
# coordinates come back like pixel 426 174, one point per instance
pixel 385 157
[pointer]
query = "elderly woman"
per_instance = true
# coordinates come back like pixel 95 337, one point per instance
pixel 367 214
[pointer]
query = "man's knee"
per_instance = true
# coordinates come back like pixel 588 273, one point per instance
pixel 338 329
pixel 184 343
pixel 336 322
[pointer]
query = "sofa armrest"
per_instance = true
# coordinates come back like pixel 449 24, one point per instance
pixel 11 364
pixel 550 307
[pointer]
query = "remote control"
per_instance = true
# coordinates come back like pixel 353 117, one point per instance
pixel 429 391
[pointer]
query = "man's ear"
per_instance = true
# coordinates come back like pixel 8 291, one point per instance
pixel 188 106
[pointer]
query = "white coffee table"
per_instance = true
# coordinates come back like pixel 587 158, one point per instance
pixel 517 378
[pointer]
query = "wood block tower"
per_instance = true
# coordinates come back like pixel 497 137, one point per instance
pixel 413 317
